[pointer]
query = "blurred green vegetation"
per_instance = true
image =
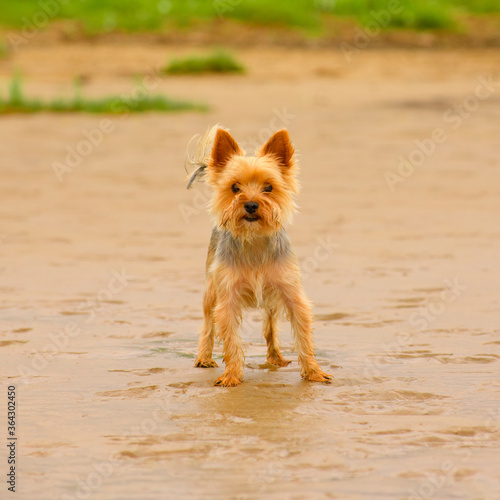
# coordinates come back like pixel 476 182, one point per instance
pixel 4 49
pixel 17 102
pixel 100 16
pixel 216 62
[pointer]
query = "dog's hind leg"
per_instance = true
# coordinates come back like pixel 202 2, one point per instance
pixel 270 332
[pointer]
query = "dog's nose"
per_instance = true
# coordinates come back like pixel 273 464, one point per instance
pixel 251 207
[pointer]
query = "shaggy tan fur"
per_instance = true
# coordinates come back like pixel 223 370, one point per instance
pixel 250 262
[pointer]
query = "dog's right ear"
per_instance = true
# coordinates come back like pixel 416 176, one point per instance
pixel 223 149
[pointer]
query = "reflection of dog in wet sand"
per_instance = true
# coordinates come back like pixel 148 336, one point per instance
pixel 250 262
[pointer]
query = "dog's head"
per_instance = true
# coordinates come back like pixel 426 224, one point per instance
pixel 253 195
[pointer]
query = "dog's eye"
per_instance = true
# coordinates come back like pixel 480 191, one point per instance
pixel 268 189
pixel 235 188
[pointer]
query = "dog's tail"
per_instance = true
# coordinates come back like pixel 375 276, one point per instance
pixel 200 156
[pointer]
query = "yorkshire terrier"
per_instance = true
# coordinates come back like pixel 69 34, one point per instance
pixel 250 262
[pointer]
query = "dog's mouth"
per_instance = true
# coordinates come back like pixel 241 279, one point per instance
pixel 251 218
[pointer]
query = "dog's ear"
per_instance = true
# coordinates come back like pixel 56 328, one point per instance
pixel 223 149
pixel 279 146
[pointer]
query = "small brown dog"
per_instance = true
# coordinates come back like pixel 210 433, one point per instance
pixel 250 262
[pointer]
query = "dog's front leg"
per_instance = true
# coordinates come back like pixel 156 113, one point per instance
pixel 300 313
pixel 227 316
pixel 206 342
pixel 301 318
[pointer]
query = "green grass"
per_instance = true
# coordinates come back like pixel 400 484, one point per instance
pixel 417 15
pixel 478 6
pixel 216 62
pixel 100 16
pixel 17 102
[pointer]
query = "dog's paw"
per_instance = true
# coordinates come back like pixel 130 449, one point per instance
pixel 278 361
pixel 227 381
pixel 205 363
pixel 318 376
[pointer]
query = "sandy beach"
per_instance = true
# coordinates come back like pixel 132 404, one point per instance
pixel 398 237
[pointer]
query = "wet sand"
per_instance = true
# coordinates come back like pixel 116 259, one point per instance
pixel 102 280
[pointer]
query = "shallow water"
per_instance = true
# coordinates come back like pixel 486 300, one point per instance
pixel 405 284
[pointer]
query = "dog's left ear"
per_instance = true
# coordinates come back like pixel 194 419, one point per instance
pixel 280 146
